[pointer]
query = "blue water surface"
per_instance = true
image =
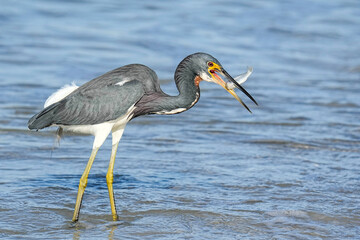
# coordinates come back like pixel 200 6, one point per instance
pixel 290 170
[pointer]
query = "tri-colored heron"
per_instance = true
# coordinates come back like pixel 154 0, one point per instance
pixel 107 103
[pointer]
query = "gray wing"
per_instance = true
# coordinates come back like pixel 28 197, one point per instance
pixel 90 105
pixel 130 72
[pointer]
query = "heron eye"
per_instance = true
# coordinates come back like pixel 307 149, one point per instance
pixel 210 64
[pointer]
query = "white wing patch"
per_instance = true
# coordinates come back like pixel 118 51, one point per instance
pixel 60 94
pixel 123 81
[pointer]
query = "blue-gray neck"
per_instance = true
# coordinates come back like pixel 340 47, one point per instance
pixel 161 103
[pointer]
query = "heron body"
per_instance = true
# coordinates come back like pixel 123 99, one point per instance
pixel 107 103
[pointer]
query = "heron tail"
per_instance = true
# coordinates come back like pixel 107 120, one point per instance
pixel 44 118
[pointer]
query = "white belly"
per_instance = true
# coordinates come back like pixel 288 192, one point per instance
pixel 101 130
pixel 97 129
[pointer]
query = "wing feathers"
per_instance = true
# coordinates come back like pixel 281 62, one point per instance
pixel 90 106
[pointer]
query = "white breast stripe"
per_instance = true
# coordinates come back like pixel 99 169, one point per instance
pixel 178 110
pixel 196 99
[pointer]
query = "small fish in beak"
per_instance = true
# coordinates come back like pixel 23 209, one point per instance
pixel 232 84
pixel 240 79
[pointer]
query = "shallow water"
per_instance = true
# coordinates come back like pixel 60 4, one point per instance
pixel 290 170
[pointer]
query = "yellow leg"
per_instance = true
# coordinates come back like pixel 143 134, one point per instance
pixel 110 180
pixel 82 184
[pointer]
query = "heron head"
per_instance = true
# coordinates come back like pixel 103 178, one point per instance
pixel 210 70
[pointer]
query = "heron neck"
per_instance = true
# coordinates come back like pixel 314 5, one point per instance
pixel 187 97
pixel 161 103
pixel 189 92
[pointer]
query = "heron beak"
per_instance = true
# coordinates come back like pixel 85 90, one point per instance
pixel 217 69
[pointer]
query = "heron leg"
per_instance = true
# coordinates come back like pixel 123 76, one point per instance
pixel 83 183
pixel 110 180
pixel 116 136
